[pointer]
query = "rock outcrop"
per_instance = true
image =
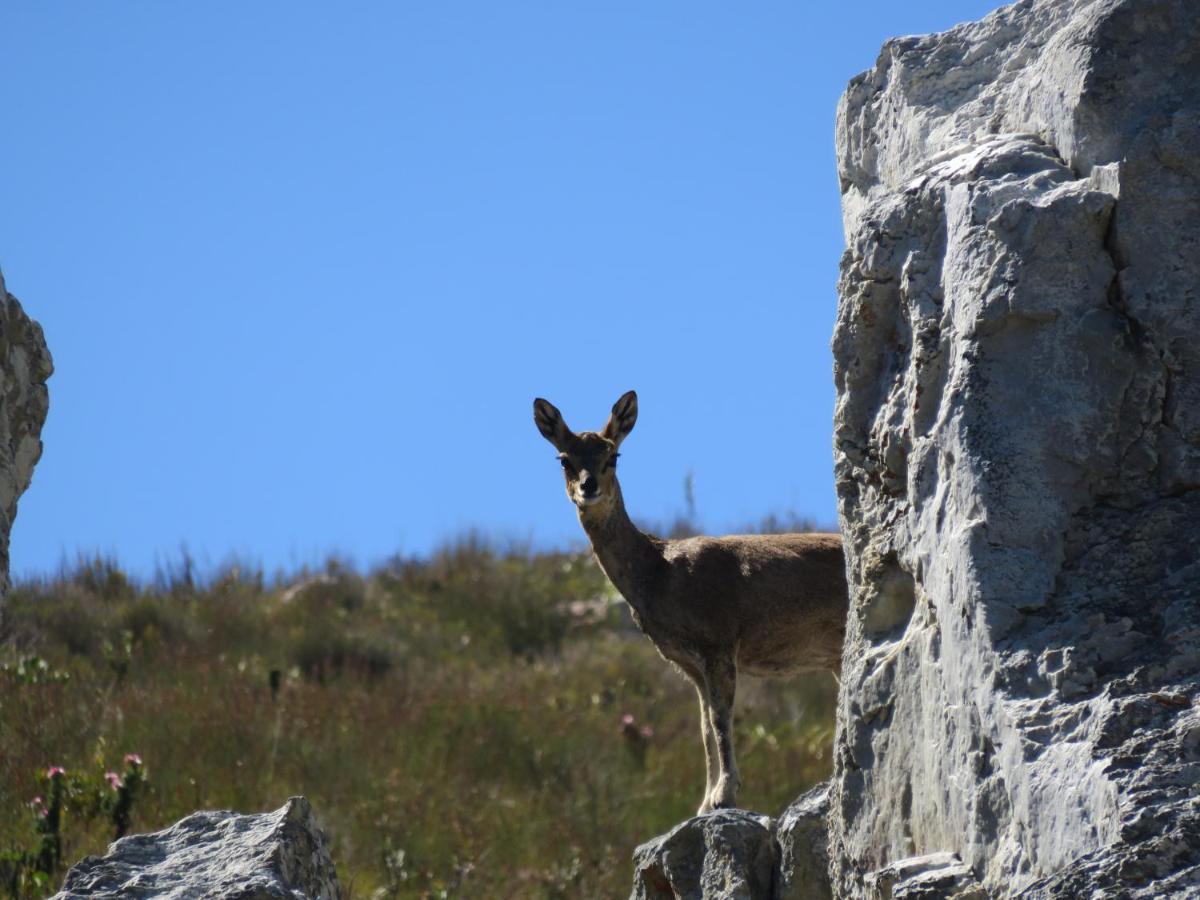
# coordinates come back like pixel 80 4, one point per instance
pixel 282 854
pixel 731 853
pixel 23 406
pixel 725 853
pixel 1017 442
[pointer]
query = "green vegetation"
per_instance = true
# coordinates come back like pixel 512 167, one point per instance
pixel 480 723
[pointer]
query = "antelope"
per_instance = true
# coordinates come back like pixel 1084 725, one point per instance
pixel 766 605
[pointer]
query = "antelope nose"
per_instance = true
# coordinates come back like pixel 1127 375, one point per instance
pixel 588 484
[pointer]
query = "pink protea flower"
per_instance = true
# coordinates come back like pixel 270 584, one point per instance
pixel 647 731
pixel 113 779
pixel 55 771
pixel 132 759
pixel 627 719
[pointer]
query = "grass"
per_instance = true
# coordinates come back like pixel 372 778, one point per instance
pixel 460 723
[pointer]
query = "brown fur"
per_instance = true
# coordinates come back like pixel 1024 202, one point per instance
pixel 767 605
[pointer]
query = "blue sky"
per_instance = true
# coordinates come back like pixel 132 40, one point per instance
pixel 303 267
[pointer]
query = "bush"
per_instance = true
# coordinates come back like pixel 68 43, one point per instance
pixel 67 619
pixel 103 578
pixel 514 602
pixel 152 620
pixel 322 653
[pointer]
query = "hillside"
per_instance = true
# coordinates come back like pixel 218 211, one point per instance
pixel 459 722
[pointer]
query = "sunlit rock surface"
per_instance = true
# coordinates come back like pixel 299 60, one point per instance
pixel 281 854
pixel 1017 441
pixel 24 403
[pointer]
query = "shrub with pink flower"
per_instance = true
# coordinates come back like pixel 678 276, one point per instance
pixel 47 809
pixel 119 804
pixel 111 794
pixel 636 739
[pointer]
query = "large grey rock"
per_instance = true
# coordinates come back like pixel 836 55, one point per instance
pixel 1017 441
pixel 215 854
pixel 728 853
pixel 734 853
pixel 24 401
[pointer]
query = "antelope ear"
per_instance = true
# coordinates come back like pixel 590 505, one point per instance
pixel 549 422
pixel 624 415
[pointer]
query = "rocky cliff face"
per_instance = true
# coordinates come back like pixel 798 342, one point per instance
pixel 26 366
pixel 1017 444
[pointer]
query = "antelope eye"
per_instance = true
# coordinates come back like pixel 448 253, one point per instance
pixel 566 463
pixel 612 461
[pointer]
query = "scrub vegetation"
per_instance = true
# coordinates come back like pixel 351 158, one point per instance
pixel 484 722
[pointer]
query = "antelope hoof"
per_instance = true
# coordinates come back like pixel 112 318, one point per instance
pixel 724 795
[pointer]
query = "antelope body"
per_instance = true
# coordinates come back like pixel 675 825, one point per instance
pixel 768 605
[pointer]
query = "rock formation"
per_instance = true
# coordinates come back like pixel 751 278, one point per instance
pixel 1017 450
pixel 215 854
pixel 731 853
pixel 23 405
pixel 726 853
pixel 1017 443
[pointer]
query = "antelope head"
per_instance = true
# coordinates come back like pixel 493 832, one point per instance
pixel 589 459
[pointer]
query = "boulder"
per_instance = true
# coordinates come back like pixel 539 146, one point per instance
pixel 24 402
pixel 727 853
pixel 734 853
pixel 215 855
pixel 1017 452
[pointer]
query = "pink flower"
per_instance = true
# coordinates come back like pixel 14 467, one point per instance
pixel 54 771
pixel 647 731
pixel 113 779
pixel 627 719
pixel 132 759
pixel 39 807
